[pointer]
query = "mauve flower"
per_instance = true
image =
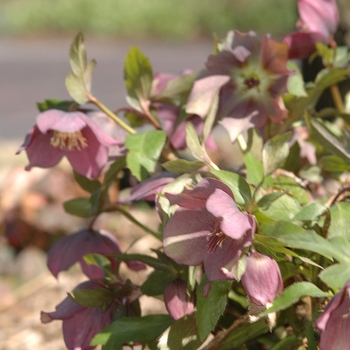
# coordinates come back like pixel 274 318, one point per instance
pixel 169 116
pixel 262 279
pixel 334 322
pixel 72 248
pixel 80 323
pixel 176 299
pixel 319 20
pixel 71 134
pixel 252 76
pixel 147 189
pixel 208 228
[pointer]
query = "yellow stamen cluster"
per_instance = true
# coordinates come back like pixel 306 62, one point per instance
pixel 68 141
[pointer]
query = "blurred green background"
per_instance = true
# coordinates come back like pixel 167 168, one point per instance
pixel 165 19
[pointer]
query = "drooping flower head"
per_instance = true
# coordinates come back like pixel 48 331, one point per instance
pixel 334 322
pixel 176 299
pixel 208 228
pixel 80 323
pixel 72 248
pixel 252 76
pixel 262 279
pixel 318 21
pixel 71 134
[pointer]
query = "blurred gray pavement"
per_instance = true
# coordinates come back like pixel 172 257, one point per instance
pixel 32 70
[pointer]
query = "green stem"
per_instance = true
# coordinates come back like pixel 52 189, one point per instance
pixel 337 98
pixel 138 223
pixel 110 114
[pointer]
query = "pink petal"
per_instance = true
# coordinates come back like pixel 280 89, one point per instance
pixel 197 197
pixel 202 94
pixel 146 190
pixel 262 279
pixel 218 264
pixel 39 150
pixel 176 300
pixel 185 236
pixel 234 223
pixel 89 161
pixel 72 248
pixel 54 119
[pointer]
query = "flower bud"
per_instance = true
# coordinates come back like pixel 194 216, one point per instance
pixel 334 323
pixel 176 300
pixel 262 279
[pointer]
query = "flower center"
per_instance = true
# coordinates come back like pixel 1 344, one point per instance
pixel 251 83
pixel 216 238
pixel 68 141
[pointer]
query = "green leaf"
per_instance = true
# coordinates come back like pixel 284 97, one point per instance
pixel 77 55
pixel 255 172
pixel 144 151
pixel 133 329
pixel 210 118
pixel 311 211
pixel 87 184
pixel 148 260
pixel 265 201
pixel 336 276
pixel 243 334
pixel 275 152
pixel 193 142
pixel 55 104
pixel 237 184
pixel 113 171
pixel 100 297
pixel 327 139
pixel 177 90
pixel 340 220
pixel 290 342
pixel 333 164
pixel 296 237
pixel 282 208
pixel 76 88
pixel 181 166
pixel 183 334
pixel 211 307
pixel 296 81
pixel 156 282
pixel 78 207
pixel 292 294
pixel 101 261
pixel 138 77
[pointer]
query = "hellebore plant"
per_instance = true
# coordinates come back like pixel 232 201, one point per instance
pixel 71 134
pixel 253 244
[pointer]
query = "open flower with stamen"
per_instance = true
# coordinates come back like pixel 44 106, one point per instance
pixel 251 75
pixel 208 228
pixel 71 134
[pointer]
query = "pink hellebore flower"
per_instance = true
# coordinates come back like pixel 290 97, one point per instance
pixel 169 116
pixel 252 76
pixel 334 322
pixel 208 228
pixel 176 299
pixel 319 20
pixel 80 323
pixel 262 279
pixel 71 134
pixel 72 248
